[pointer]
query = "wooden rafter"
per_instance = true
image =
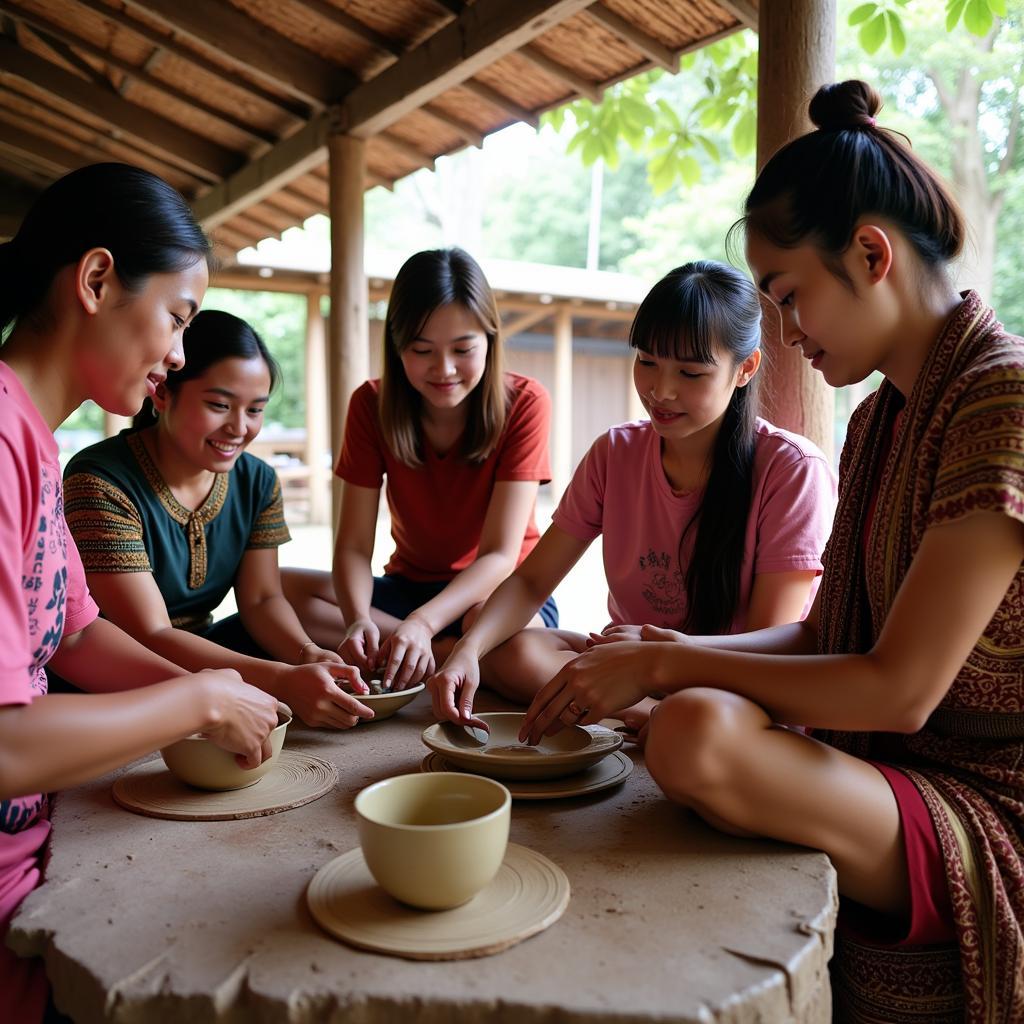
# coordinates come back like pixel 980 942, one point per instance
pixel 59 158
pixel 407 149
pixel 292 107
pixel 96 143
pixel 482 34
pixel 336 16
pixel 48 28
pixel 576 81
pixel 743 11
pixel 207 159
pixel 467 131
pixel 261 51
pixel 63 51
pixel 651 48
pixel 490 95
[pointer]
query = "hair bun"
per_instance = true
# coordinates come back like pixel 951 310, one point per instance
pixel 843 105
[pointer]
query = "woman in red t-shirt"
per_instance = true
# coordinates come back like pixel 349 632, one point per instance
pixel 463 446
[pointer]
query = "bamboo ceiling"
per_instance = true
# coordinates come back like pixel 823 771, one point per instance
pixel 232 100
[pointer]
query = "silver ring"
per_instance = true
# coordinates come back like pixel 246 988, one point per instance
pixel 575 710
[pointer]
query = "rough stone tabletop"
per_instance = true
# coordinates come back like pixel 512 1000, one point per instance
pixel 145 921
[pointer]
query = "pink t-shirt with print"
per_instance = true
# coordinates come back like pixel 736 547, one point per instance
pixel 43 596
pixel 620 491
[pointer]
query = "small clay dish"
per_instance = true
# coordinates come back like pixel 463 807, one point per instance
pixel 199 762
pixel 385 704
pixel 503 757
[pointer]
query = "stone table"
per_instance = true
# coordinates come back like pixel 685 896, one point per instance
pixel 145 921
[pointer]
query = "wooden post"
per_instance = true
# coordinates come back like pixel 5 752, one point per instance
pixel 317 426
pixel 561 402
pixel 796 55
pixel 348 344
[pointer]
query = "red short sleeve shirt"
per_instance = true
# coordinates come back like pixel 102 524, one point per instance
pixel 438 509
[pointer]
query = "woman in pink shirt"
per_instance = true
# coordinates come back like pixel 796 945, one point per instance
pixel 95 290
pixel 712 520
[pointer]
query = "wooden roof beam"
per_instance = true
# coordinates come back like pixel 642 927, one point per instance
pixel 407 149
pixel 207 159
pixel 41 149
pixel 491 95
pixel 344 20
pixel 651 48
pixel 578 82
pixel 294 108
pixel 47 28
pixel 482 34
pixel 467 131
pixel 261 51
pixel 743 11
pixel 61 49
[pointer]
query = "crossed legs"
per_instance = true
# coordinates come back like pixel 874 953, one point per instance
pixel 722 756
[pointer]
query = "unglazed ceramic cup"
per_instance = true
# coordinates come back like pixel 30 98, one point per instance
pixel 200 762
pixel 434 840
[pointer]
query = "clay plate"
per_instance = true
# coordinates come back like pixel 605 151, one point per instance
pixel 611 771
pixel 528 894
pixel 572 750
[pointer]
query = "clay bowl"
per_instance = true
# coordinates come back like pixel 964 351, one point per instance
pixel 434 841
pixel 504 757
pixel 198 762
pixel 384 705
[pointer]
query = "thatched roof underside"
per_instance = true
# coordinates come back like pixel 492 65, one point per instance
pixel 232 100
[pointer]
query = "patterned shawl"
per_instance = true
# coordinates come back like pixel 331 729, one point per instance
pixel 958 448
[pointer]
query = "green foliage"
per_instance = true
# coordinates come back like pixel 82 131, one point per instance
pixel 678 139
pixel 881 20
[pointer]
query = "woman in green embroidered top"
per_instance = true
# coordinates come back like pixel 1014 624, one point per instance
pixel 171 515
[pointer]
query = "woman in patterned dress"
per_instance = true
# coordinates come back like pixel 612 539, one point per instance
pixel 172 515
pixel 910 667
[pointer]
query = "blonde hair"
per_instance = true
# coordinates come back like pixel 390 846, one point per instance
pixel 426 282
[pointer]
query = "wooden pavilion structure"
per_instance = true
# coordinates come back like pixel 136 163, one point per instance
pixel 263 112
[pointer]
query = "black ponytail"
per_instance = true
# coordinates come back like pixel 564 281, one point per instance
pixel 145 224
pixel 693 312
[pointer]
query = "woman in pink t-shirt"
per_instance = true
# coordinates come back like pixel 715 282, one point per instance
pixel 464 448
pixel 96 288
pixel 713 520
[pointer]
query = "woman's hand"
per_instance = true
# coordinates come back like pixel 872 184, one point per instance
pixel 453 687
pixel 313 655
pixel 313 693
pixel 406 655
pixel 616 634
pixel 361 646
pixel 591 687
pixel 246 716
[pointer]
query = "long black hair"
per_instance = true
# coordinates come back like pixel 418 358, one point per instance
pixel 146 224
pixel 818 186
pixel 698 312
pixel 212 335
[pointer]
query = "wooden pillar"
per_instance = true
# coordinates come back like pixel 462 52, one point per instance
pixel 561 402
pixel 317 425
pixel 796 55
pixel 114 424
pixel 348 344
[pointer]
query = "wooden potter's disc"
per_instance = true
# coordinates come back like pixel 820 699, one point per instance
pixel 528 894
pixel 612 771
pixel 295 779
